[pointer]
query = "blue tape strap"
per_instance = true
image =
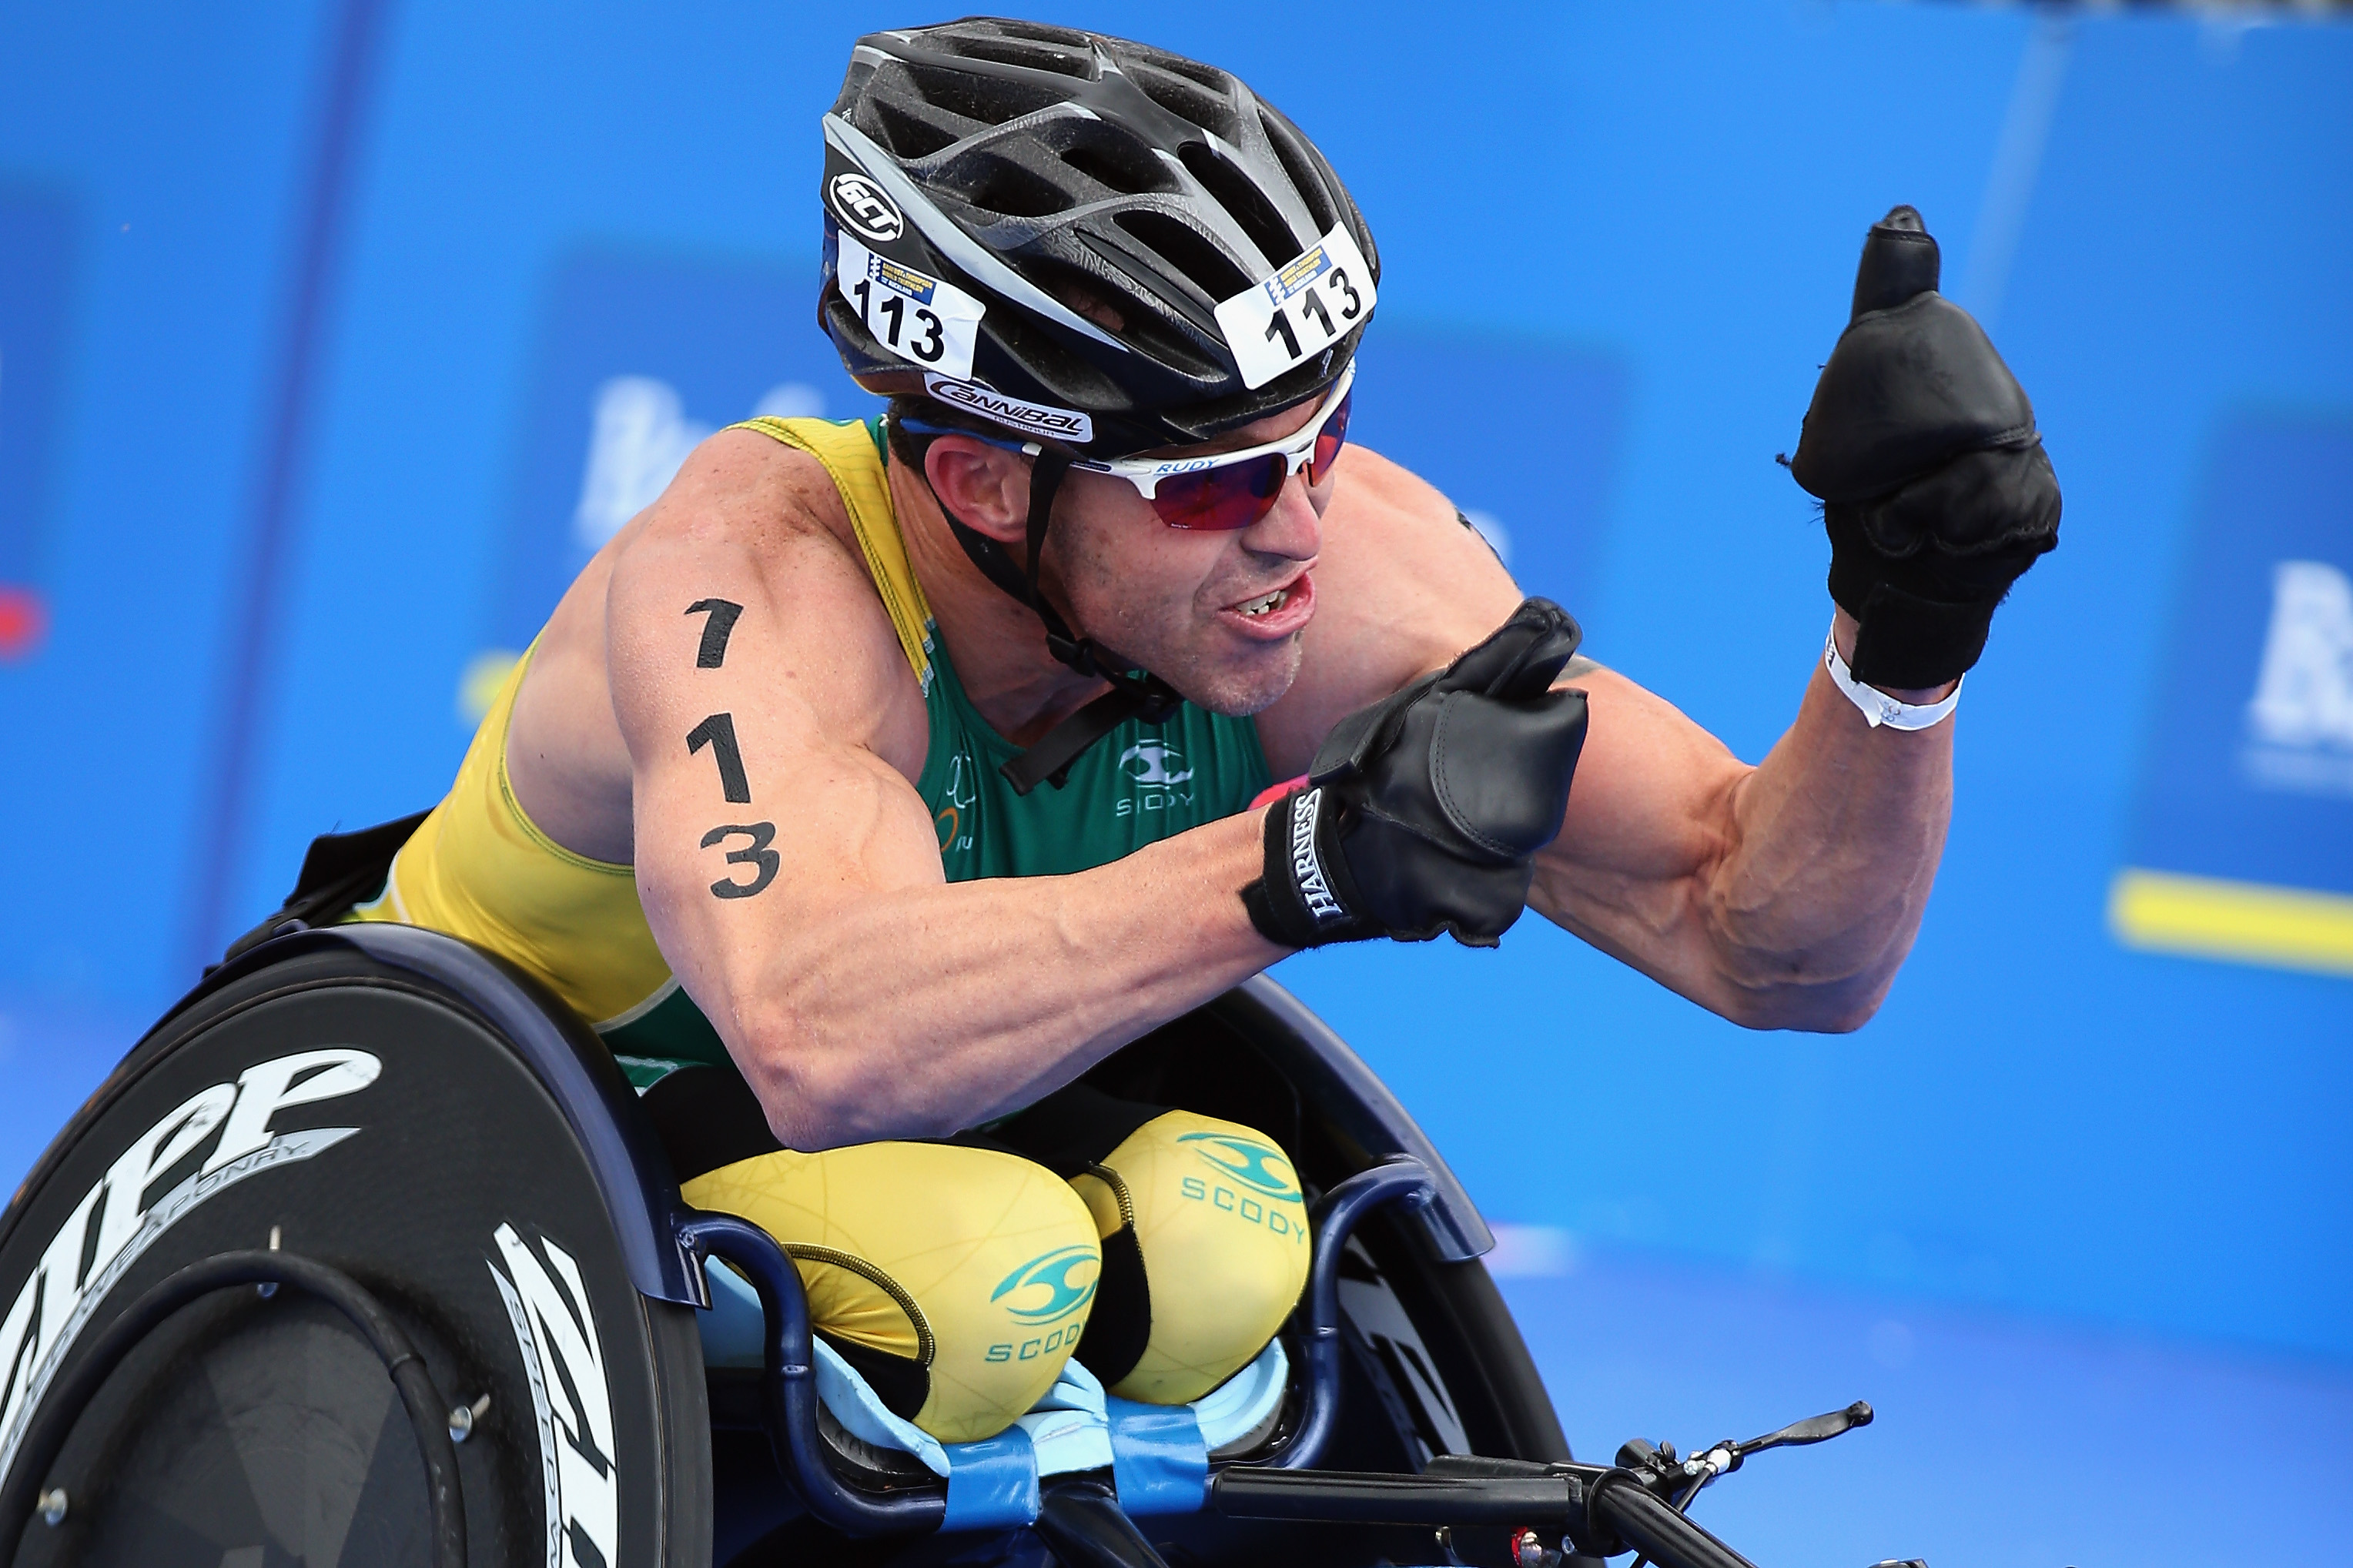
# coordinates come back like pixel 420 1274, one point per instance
pixel 1158 1461
pixel 992 1484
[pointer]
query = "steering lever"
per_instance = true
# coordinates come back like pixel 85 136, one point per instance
pixel 1813 1429
pixel 1678 1480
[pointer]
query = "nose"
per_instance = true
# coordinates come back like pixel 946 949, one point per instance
pixel 1292 529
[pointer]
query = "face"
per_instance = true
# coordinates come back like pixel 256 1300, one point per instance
pixel 1216 615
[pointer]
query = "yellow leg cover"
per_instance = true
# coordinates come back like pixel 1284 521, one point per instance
pixel 977 1266
pixel 1223 1230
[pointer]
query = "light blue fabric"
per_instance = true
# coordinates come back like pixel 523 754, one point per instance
pixel 1241 1403
pixel 1159 1462
pixel 992 1484
pixel 1067 1427
pixel 1158 1455
pixel 861 1412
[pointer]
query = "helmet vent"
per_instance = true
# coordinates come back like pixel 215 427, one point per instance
pixel 1039 56
pixel 985 100
pixel 907 135
pixel 1184 98
pixel 1120 163
pixel 998 184
pixel 1188 253
pixel 1033 32
pixel 1233 190
pixel 1219 81
pixel 1146 324
pixel 1297 163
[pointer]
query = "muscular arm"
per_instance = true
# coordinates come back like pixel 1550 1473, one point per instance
pixel 863 995
pixel 1782 896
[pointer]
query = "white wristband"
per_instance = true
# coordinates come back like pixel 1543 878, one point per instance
pixel 1878 707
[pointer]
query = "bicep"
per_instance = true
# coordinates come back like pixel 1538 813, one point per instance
pixel 758 799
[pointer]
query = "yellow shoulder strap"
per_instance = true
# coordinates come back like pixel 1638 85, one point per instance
pixel 851 459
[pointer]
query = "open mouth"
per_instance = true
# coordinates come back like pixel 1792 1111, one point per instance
pixel 1263 604
pixel 1275 614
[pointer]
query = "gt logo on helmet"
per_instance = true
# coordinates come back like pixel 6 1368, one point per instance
pixel 863 209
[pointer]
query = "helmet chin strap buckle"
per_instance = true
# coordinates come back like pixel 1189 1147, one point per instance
pixel 1134 694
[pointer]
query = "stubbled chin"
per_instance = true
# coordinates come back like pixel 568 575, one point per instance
pixel 1247 682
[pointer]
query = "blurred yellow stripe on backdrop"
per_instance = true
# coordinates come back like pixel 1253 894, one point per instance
pixel 2249 922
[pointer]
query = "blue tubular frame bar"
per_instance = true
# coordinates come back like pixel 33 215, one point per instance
pixel 1401 1178
pixel 789 1386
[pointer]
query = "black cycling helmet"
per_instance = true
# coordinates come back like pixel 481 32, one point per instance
pixel 1040 225
pixel 1102 247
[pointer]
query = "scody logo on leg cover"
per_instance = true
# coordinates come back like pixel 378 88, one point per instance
pixel 1249 1161
pixel 57 1301
pixel 1052 1272
pixel 555 1329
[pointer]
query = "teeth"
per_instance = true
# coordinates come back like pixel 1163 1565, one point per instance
pixel 1261 606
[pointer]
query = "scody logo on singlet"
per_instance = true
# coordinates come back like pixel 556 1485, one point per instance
pixel 1157 773
pixel 61 1297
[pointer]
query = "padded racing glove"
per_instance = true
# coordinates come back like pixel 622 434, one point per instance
pixel 1422 810
pixel 1922 447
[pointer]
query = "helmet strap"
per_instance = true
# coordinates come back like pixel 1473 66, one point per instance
pixel 1134 693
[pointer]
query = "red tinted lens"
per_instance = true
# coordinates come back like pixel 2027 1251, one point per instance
pixel 1215 501
pixel 1329 440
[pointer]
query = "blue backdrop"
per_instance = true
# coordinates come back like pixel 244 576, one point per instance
pixel 566 239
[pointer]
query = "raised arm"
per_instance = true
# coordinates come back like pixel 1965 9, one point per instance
pixel 1779 896
pixel 791 873
pixel 1782 896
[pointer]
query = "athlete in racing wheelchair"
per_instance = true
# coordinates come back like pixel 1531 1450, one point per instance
pixel 808 942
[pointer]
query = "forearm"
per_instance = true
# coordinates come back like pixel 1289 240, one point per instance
pixel 1782 896
pixel 1833 845
pixel 918 1011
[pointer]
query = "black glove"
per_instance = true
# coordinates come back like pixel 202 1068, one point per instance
pixel 1921 446
pixel 1422 810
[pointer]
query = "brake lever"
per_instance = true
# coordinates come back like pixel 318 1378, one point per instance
pixel 1722 1459
pixel 1814 1429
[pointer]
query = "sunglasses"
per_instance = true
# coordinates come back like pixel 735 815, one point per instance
pixel 1224 491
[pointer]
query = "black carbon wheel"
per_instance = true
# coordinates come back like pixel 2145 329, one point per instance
pixel 369 1116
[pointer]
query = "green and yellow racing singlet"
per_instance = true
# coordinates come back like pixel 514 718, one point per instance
pixel 478 867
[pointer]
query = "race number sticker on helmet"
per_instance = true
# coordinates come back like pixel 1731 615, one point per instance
pixel 925 321
pixel 1299 310
pixel 1042 420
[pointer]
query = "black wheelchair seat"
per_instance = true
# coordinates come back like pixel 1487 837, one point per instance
pixel 367 1254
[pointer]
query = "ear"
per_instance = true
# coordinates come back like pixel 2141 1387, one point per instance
pixel 988 487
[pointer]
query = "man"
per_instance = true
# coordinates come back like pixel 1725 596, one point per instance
pixel 791 787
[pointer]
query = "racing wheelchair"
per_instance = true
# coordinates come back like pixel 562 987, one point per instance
pixel 367 1254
